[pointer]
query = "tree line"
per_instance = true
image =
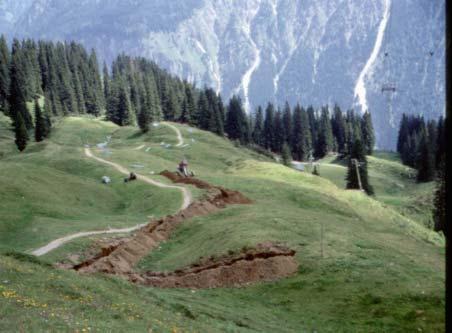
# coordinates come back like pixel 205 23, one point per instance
pixel 421 145
pixel 134 90
pixel 306 134
pixel 62 76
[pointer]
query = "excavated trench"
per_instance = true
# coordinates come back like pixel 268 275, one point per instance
pixel 265 262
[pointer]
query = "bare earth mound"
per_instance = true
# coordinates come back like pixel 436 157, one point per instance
pixel 266 262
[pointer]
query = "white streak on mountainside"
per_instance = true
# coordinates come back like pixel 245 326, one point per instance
pixel 360 87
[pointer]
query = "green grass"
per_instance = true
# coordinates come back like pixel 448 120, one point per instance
pixel 53 190
pixel 381 271
pixel 394 184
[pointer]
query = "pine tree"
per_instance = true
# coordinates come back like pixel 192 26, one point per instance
pixel 278 127
pixel 124 111
pixel 357 155
pixel 301 134
pixel 367 131
pixel 219 117
pixel 440 150
pixel 258 130
pixel 339 129
pixel 313 126
pixel 144 118
pixel 425 160
pixel 21 132
pixel 203 111
pixel 106 81
pixel 40 123
pixel 112 103
pixel 47 117
pixel 191 107
pixel 287 124
pixel 315 172
pixel 324 142
pixel 403 133
pixel 16 99
pixel 4 74
pixel 286 155
pixel 439 211
pixel 184 116
pixel 236 125
pixel 269 131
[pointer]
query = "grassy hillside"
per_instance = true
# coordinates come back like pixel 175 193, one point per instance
pixel 380 271
pixel 394 184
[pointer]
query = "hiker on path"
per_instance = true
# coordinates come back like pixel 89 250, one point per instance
pixel 183 167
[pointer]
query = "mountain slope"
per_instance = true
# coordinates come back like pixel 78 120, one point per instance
pixel 379 272
pixel 313 52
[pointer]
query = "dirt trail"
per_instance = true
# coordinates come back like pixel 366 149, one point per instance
pixel 185 192
pixel 180 139
pixel 63 240
pixel 266 262
pixel 139 147
pixel 122 259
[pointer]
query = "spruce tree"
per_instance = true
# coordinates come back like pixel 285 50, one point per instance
pixel 144 118
pixel 439 211
pixel 4 74
pixel 184 116
pixel 440 150
pixel 124 111
pixel 358 156
pixel 315 172
pixel 367 131
pixel 16 99
pixel 21 133
pixel 258 130
pixel 324 142
pixel 40 123
pixel 219 117
pixel 286 155
pixel 106 81
pixel 287 124
pixel 278 127
pixel 269 131
pixel 236 125
pixel 191 107
pixel 425 160
pixel 403 133
pixel 313 126
pixel 301 134
pixel 47 115
pixel 203 111
pixel 339 129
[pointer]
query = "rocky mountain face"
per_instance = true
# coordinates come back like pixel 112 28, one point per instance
pixel 383 55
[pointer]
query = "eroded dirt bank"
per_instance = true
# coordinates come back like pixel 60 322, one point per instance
pixel 265 262
pixel 120 259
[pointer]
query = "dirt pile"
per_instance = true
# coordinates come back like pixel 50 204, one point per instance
pixel 121 258
pixel 267 262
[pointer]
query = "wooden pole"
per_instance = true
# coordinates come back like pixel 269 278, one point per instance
pixel 321 239
pixel 355 161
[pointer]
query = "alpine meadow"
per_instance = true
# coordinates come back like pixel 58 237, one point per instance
pixel 233 166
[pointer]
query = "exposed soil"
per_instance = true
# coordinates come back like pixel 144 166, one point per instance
pixel 265 262
pixel 120 258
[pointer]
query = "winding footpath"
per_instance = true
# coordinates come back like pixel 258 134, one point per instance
pixel 186 194
pixel 180 139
